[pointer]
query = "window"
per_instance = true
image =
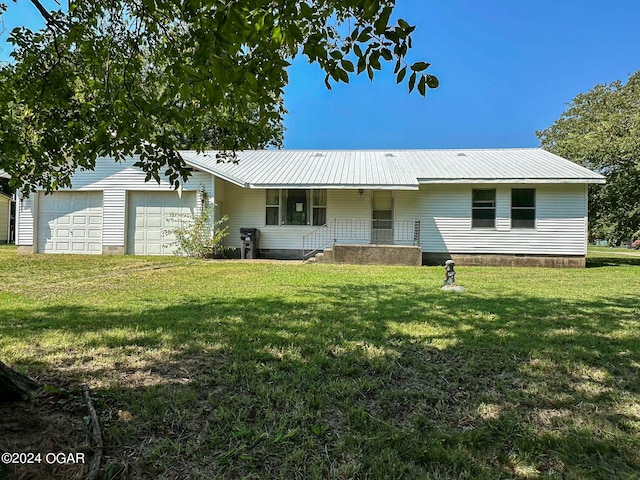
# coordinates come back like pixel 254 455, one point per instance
pixel 319 207
pixel 523 208
pixel 382 209
pixel 296 207
pixel 273 207
pixel 483 210
pixel 382 217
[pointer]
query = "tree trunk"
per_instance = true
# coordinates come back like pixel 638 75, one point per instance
pixel 13 385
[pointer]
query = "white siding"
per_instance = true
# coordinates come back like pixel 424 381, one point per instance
pixel 25 214
pixel 347 204
pixel 220 195
pixel 113 220
pixel 114 179
pixel 445 215
pixel 561 221
pixel 247 208
pixel 109 174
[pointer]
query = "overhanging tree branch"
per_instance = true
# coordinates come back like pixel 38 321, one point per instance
pixel 144 75
pixel 51 20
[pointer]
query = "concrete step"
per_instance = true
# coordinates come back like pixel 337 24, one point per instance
pixel 327 256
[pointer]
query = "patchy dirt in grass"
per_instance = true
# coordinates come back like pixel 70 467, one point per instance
pixel 47 437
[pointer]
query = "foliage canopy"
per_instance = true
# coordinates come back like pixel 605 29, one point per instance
pixel 601 131
pixel 146 77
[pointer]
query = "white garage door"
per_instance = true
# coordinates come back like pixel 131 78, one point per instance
pixel 150 220
pixel 70 222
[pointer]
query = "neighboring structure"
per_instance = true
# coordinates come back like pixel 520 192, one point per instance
pixel 515 206
pixel 5 215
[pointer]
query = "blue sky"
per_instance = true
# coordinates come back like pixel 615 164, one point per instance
pixel 506 69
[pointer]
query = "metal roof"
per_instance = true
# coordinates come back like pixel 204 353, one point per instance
pixel 391 169
pixel 522 165
pixel 307 168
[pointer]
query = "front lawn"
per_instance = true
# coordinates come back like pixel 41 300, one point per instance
pixel 284 370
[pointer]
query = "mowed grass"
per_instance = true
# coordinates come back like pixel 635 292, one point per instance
pixel 285 370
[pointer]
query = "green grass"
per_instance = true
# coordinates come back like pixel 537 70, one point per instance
pixel 284 370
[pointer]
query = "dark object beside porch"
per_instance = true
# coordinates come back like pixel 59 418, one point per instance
pixel 250 243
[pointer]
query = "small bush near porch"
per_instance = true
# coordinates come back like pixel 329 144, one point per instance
pixel 285 370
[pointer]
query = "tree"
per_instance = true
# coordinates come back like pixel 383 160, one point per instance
pixel 13 385
pixel 142 77
pixel 4 187
pixel 601 131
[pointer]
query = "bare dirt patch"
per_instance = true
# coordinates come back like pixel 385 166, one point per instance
pixel 51 434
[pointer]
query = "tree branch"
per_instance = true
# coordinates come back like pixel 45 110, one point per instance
pixel 46 14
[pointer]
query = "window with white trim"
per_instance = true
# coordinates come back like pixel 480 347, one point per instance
pixel 273 207
pixel 296 207
pixel 523 208
pixel 319 198
pixel 483 209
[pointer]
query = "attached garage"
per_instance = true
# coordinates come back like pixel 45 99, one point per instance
pixel 150 218
pixel 70 222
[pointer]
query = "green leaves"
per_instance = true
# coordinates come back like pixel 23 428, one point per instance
pixel 422 86
pixel 347 65
pixel 198 235
pixel 412 81
pixel 147 78
pixel 432 81
pixel 380 25
pixel 601 131
pixel 401 74
pixel 370 45
pixel 420 66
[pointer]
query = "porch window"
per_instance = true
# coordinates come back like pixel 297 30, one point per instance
pixel 483 209
pixel 523 208
pixel 319 207
pixel 273 207
pixel 296 207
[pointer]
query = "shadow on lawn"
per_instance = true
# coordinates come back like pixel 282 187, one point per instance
pixel 612 261
pixel 370 382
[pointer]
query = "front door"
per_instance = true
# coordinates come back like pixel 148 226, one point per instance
pixel 382 217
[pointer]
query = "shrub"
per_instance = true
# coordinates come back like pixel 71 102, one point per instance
pixel 636 244
pixel 197 235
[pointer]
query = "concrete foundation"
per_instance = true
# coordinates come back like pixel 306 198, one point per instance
pixel 112 250
pixel 26 250
pixel 274 253
pixel 494 260
pixel 374 255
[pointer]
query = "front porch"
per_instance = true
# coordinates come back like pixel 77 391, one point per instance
pixel 372 242
pixel 402 255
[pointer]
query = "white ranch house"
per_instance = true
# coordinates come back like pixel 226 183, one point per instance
pixel 495 206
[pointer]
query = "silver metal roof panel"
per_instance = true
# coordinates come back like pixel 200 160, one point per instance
pixel 397 169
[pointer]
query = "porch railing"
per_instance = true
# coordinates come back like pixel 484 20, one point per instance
pixel 366 232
